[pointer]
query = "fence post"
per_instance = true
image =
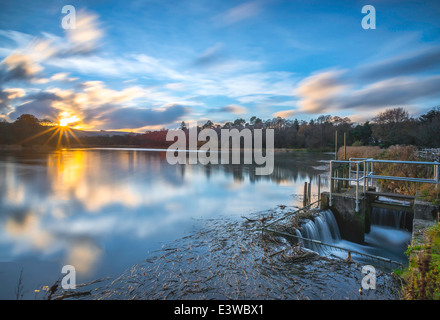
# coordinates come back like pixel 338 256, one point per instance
pixel 309 197
pixel 437 175
pixel 345 148
pixel 364 179
pixel 349 173
pixel 319 188
pixel 331 183
pixel 305 194
pixel 357 186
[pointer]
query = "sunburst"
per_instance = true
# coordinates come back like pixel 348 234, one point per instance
pixel 60 130
pixel 65 119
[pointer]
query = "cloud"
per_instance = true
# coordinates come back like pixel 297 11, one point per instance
pixel 210 56
pixel 239 13
pixel 328 91
pixel 414 62
pixel 284 113
pixel 25 63
pixel 8 94
pixel 95 93
pixel 316 91
pixel 232 108
pixel 391 92
pixel 4 102
pixel 400 81
pixel 42 109
pixel 86 36
pixel 39 104
pixel 133 118
pixel 14 93
pixel 41 96
pixel 97 106
pixel 18 66
pixel 62 76
pixel 21 39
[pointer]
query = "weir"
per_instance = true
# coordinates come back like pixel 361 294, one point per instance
pixel 352 205
pixel 320 233
pixel 361 221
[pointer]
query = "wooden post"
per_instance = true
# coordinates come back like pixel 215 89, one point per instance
pixel 343 175
pixel 309 198
pixel 336 145
pixel 305 194
pixel 319 187
pixel 345 148
pixel 331 184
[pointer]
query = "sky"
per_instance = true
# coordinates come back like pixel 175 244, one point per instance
pixel 143 65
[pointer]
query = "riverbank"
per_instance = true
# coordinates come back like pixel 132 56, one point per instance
pixel 42 148
pixel 421 280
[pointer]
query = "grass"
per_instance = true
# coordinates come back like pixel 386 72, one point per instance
pixel 360 152
pixel 421 280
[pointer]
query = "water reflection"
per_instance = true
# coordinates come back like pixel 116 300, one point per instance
pixel 101 210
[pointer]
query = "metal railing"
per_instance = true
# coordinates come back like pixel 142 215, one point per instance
pixel 432 154
pixel 367 174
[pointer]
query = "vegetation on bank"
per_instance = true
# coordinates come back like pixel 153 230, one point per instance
pixel 421 280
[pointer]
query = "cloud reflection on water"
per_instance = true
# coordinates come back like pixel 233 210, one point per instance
pixel 81 204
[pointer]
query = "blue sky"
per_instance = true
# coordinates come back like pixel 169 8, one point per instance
pixel 137 65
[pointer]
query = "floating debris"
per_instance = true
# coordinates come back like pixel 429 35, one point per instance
pixel 233 259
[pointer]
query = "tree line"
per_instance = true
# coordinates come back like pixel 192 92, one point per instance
pixel 390 127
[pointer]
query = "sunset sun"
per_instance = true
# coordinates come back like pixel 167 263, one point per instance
pixel 65 119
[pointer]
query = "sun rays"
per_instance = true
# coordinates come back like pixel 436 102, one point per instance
pixel 59 131
pixel 65 119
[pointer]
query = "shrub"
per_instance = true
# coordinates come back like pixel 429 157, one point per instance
pixel 422 277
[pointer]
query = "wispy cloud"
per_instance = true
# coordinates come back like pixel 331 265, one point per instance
pixel 239 13
pixel 235 109
pixel 405 64
pixel 284 113
pixel 400 81
pixel 316 91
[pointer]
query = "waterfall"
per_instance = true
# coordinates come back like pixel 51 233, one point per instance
pixel 388 237
pixel 324 228
pixel 392 218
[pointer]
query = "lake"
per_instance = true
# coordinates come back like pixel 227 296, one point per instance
pixel 103 210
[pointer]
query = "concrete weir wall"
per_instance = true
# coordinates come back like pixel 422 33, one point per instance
pixel 352 225
pixel 425 215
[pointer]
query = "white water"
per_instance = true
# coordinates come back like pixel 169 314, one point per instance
pixel 387 238
pixel 392 218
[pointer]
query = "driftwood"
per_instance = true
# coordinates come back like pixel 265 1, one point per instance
pixel 262 219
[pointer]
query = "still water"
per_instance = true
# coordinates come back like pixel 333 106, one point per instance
pixel 103 210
